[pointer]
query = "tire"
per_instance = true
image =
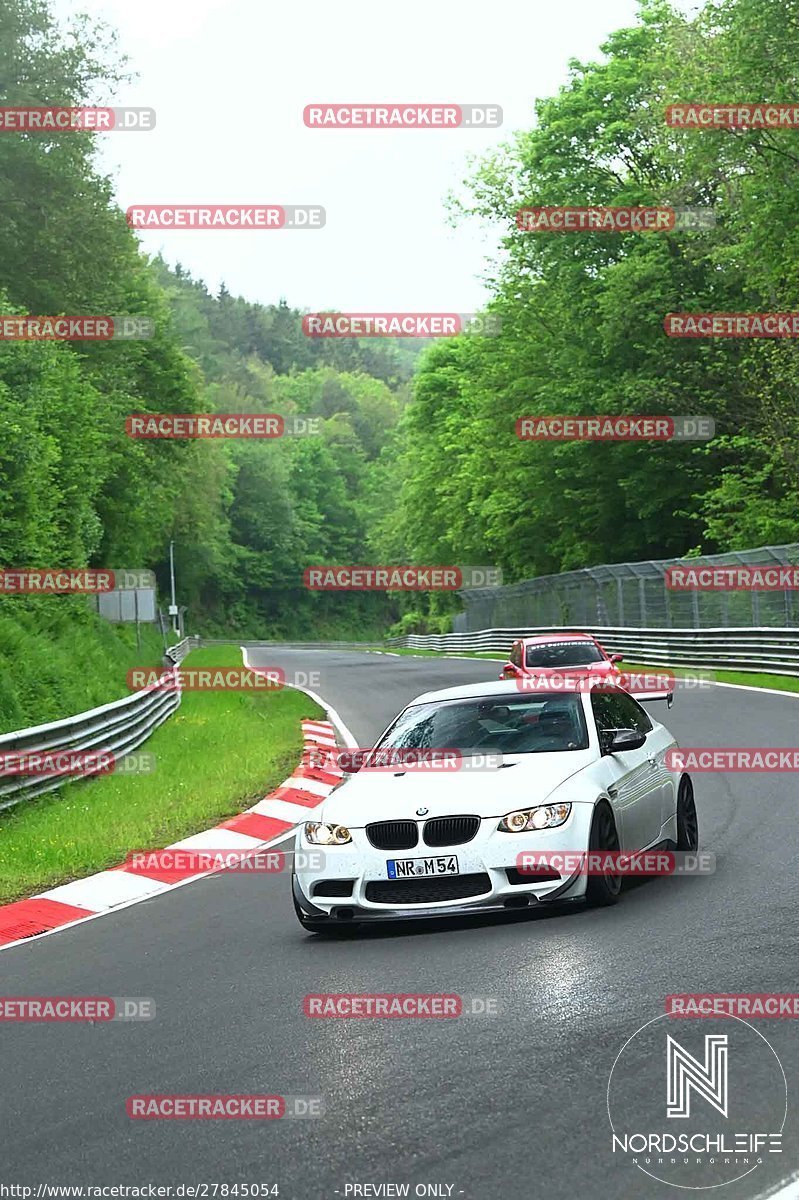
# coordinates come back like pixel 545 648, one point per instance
pixel 687 820
pixel 602 890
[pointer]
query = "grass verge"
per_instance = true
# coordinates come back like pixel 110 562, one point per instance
pixel 219 754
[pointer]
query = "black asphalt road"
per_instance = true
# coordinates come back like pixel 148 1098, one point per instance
pixel 514 1104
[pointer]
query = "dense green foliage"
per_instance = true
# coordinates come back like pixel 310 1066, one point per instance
pixel 269 509
pixel 583 317
pixel 58 658
pixel 428 470
pixel 246 517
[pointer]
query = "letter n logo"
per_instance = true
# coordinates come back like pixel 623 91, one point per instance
pixel 708 1079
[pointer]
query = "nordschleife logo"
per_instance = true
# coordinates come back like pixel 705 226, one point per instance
pixel 707 1079
pixel 701 1110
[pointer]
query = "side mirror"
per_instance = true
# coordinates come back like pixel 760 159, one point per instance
pixel 616 741
pixel 617 658
pixel 509 671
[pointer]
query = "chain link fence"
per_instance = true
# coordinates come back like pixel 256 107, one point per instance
pixel 635 595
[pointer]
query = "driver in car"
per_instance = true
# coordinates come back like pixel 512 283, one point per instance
pixel 556 727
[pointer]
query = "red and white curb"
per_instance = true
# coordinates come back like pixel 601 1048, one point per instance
pixel 270 820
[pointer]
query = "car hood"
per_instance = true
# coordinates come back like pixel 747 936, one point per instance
pixel 521 782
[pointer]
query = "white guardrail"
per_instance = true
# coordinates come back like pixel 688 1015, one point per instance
pixel 743 649
pixel 116 728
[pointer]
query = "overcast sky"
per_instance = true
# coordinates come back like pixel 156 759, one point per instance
pixel 229 80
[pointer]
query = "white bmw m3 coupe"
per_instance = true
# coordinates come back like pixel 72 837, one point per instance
pixel 541 778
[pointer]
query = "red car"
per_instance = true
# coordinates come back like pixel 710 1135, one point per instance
pixel 559 652
pixel 575 654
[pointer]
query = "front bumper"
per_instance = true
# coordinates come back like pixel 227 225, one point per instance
pixel 488 856
pixel 344 912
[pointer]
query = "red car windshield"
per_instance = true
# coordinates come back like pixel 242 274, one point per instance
pixel 562 654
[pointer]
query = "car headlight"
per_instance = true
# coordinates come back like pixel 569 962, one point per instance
pixel 546 816
pixel 319 834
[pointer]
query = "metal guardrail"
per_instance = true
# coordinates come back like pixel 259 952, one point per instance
pixel 112 729
pixel 179 651
pixel 743 649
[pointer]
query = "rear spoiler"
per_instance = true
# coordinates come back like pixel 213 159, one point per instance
pixel 645 697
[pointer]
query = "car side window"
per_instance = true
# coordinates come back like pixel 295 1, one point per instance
pixel 635 717
pixel 516 654
pixel 617 710
pixel 604 712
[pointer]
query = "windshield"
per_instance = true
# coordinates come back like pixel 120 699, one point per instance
pixel 562 654
pixel 545 723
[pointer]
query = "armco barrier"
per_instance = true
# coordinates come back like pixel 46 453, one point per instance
pixel 115 728
pixel 179 651
pixel 745 649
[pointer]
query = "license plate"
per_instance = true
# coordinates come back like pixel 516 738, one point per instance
pixel 411 868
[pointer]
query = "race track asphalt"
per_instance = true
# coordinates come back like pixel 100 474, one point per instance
pixel 509 1105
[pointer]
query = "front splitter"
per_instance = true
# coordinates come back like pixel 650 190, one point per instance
pixel 422 913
